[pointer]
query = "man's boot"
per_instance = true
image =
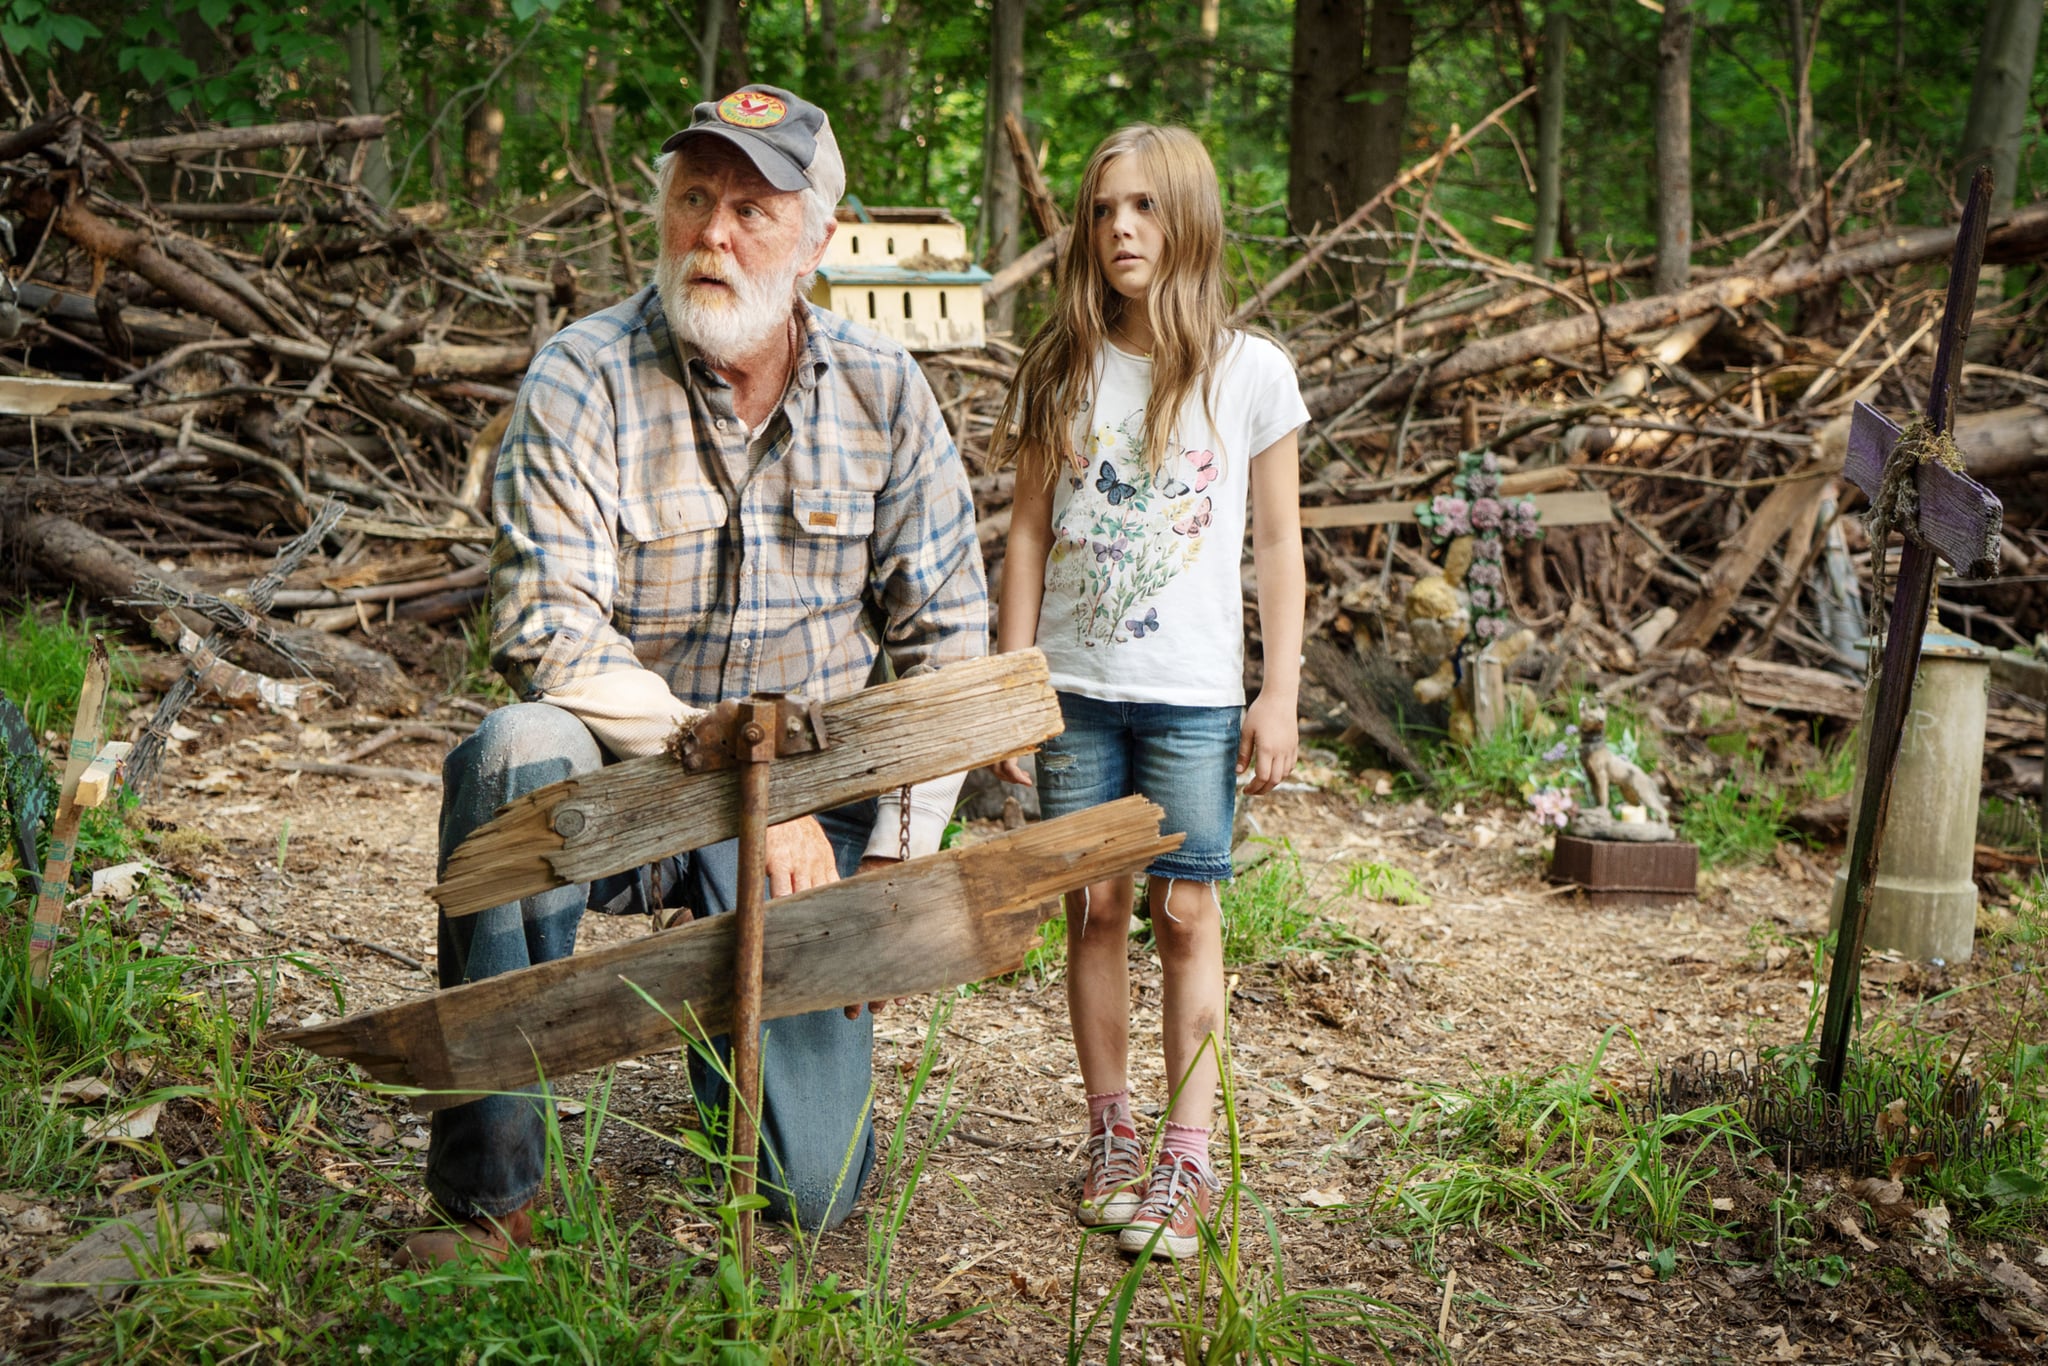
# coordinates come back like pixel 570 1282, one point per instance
pixel 490 1239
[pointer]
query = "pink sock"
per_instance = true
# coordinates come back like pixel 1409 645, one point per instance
pixel 1110 1107
pixel 1185 1140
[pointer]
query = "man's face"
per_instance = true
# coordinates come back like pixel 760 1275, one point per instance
pixel 732 251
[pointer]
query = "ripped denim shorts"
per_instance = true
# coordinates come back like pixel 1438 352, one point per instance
pixel 1182 758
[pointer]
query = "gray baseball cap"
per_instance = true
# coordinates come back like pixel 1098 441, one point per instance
pixel 779 131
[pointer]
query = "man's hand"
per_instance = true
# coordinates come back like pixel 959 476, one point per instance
pixel 868 865
pixel 799 857
pixel 1269 742
pixel 1012 771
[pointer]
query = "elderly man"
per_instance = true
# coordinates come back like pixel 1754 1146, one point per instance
pixel 708 490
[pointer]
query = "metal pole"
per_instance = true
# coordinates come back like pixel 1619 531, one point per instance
pixel 754 747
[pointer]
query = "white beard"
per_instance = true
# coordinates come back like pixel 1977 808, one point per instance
pixel 722 327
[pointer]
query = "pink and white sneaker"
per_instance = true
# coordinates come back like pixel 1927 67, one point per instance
pixel 1177 1199
pixel 1116 1172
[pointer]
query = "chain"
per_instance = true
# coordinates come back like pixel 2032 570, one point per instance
pixel 903 824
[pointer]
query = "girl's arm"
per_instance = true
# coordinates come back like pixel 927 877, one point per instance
pixel 1023 586
pixel 1272 734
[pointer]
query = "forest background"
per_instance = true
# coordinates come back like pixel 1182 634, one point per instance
pixel 1308 108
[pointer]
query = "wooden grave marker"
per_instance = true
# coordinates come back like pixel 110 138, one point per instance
pixel 959 916
pixel 87 730
pixel 630 814
pixel 1952 518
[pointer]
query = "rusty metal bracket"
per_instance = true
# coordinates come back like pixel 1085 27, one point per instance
pixel 717 740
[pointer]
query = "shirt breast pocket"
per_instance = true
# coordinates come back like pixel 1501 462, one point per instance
pixel 668 556
pixel 829 555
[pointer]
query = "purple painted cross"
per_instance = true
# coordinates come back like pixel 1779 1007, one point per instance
pixel 1957 520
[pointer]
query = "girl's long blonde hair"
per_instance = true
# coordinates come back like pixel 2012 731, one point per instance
pixel 1189 302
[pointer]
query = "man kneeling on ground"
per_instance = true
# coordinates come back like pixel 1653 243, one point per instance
pixel 709 490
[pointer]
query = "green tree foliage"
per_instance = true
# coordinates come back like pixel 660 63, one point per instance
pixel 904 80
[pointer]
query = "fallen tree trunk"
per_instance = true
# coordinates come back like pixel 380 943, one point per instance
pixel 135 251
pixel 1041 256
pixel 430 359
pixel 961 916
pixel 108 571
pixel 2018 234
pixel 300 133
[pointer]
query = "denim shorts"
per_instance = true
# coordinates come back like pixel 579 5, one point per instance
pixel 1182 758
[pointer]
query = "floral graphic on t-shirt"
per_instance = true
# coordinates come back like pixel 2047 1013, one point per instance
pixel 1126 533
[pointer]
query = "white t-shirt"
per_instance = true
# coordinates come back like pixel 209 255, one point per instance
pixel 1143 597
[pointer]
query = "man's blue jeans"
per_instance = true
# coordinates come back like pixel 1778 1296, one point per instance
pixel 487 1158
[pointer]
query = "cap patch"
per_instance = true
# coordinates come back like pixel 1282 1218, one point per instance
pixel 752 109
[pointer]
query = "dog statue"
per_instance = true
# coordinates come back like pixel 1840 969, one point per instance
pixel 1604 767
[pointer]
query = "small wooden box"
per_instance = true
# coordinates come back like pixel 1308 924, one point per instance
pixel 1624 873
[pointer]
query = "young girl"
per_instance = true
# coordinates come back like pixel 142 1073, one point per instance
pixel 1141 423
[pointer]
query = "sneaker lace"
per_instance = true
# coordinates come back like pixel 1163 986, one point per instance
pixel 1171 1183
pixel 1122 1159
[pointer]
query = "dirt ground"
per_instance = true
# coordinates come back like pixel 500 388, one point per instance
pixel 1498 973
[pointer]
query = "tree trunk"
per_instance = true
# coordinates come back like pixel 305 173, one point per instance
pixel 1000 193
pixel 1211 23
pixel 1805 168
pixel 483 136
pixel 603 76
pixel 1674 149
pixel 731 46
pixel 1327 114
pixel 366 96
pixel 1998 96
pixel 1820 311
pixel 1557 48
pixel 1391 47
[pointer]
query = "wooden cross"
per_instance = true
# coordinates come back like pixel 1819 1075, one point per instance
pixel 1958 520
pixel 931 923
pixel 90 767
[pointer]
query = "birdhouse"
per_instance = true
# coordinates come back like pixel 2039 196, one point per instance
pixel 905 272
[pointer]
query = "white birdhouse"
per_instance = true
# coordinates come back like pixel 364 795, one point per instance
pixel 906 273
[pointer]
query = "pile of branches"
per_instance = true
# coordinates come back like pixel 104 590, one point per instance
pixel 275 341
pixel 284 341
pixel 1735 552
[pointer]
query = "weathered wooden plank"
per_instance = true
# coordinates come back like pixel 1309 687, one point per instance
pixel 1552 509
pixel 629 814
pixel 1959 519
pixel 960 916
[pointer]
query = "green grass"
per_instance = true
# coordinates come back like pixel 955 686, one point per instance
pixel 1745 816
pixel 1736 821
pixel 1231 1301
pixel 478 677
pixel 43 651
pixel 299 1276
pixel 1269 911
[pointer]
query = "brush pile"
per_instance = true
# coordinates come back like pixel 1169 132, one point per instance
pixel 282 341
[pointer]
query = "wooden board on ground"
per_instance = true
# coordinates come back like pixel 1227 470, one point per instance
pixel 960 916
pixel 630 814
pixel 1552 509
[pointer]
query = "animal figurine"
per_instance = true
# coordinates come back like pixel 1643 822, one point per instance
pixel 1604 767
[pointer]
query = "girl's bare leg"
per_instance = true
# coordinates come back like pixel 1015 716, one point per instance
pixel 1187 924
pixel 1099 983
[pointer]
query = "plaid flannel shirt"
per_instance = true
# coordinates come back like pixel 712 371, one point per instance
pixel 640 525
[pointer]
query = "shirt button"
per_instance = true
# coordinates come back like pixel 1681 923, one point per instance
pixel 746 645
pixel 721 424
